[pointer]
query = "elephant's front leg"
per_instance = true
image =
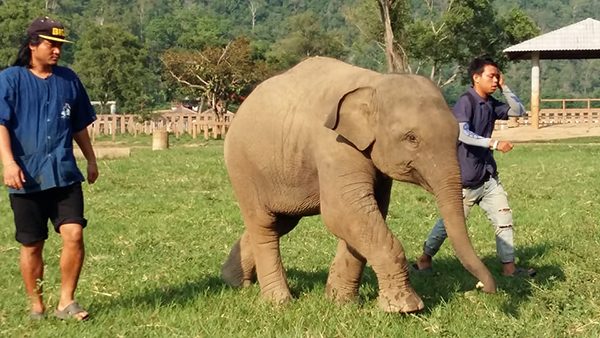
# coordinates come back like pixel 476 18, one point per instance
pixel 348 265
pixel 351 212
pixel 344 274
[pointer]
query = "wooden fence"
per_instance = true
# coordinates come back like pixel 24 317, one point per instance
pixel 561 111
pixel 553 111
pixel 195 124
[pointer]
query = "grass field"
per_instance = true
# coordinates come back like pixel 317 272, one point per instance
pixel 161 223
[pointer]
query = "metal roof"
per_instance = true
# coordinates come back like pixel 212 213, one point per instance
pixel 580 40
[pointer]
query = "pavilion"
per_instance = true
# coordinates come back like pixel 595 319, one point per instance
pixel 580 40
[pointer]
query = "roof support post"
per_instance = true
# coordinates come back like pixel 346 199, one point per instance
pixel 535 90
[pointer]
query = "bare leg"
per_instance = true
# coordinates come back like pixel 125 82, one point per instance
pixel 32 270
pixel 71 261
pixel 508 269
pixel 424 261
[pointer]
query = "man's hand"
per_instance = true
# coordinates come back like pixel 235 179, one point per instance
pixel 92 172
pixel 13 176
pixel 504 146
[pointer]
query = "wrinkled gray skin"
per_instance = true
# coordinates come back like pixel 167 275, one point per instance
pixel 327 137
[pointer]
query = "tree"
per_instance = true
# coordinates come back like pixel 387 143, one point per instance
pixel 254 6
pixel 112 63
pixel 305 37
pixel 442 36
pixel 219 74
pixel 15 17
pixel 397 62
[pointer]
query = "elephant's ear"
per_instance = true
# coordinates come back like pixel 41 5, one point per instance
pixel 352 117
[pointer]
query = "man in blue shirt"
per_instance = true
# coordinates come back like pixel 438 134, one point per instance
pixel 43 108
pixel 476 112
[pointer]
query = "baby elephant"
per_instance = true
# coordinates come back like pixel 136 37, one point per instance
pixel 328 137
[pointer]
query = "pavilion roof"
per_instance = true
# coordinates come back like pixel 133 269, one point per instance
pixel 580 40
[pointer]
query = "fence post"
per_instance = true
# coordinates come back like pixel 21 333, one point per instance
pixel 160 139
pixel 122 117
pixel 535 90
pixel 114 127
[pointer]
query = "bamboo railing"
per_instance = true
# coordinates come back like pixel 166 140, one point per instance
pixel 195 124
pixel 561 111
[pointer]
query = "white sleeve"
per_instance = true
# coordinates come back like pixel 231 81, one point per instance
pixel 516 107
pixel 466 136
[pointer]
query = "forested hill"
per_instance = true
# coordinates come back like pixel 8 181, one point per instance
pixel 148 53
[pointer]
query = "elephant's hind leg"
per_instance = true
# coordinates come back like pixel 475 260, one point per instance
pixel 239 270
pixel 345 273
pixel 264 232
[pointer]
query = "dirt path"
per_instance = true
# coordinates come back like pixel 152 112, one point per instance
pixel 554 132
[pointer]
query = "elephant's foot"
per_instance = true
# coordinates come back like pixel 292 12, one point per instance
pixel 239 269
pixel 235 277
pixel 344 275
pixel 401 301
pixel 341 290
pixel 277 296
pixel 340 295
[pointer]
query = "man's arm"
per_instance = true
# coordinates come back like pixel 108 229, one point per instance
pixel 516 107
pixel 83 141
pixel 466 136
pixel 12 173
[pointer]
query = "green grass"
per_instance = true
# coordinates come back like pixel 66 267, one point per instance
pixel 161 223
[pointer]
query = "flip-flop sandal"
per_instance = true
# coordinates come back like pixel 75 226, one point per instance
pixel 35 315
pixel 426 271
pixel 71 312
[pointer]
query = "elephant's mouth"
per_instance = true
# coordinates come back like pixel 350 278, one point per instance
pixel 420 180
pixel 411 175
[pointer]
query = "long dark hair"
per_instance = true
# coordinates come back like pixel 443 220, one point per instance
pixel 24 54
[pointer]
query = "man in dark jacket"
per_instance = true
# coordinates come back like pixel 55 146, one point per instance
pixel 476 112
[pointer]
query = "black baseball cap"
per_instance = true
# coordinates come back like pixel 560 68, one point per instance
pixel 48 29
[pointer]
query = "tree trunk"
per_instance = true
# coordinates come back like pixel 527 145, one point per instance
pixel 394 61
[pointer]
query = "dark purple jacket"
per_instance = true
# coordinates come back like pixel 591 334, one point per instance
pixel 477 163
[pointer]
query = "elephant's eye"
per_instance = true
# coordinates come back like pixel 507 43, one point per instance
pixel 412 138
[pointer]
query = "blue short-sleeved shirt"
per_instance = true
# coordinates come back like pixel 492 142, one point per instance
pixel 41 116
pixel 477 162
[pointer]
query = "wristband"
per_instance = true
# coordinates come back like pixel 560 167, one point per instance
pixel 495 145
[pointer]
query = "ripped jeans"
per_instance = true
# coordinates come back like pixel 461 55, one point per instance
pixel 492 198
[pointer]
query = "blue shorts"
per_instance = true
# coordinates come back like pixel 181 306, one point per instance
pixel 32 212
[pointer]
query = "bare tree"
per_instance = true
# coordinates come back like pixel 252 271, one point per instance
pixel 218 74
pixel 253 8
pixel 51 5
pixel 396 62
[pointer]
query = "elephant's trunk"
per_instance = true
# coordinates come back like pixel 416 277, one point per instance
pixel 448 196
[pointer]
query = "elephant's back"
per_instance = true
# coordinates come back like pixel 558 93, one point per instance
pixel 281 122
pixel 306 88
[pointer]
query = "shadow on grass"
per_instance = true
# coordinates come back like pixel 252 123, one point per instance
pixel 451 278
pixel 448 280
pixel 167 295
